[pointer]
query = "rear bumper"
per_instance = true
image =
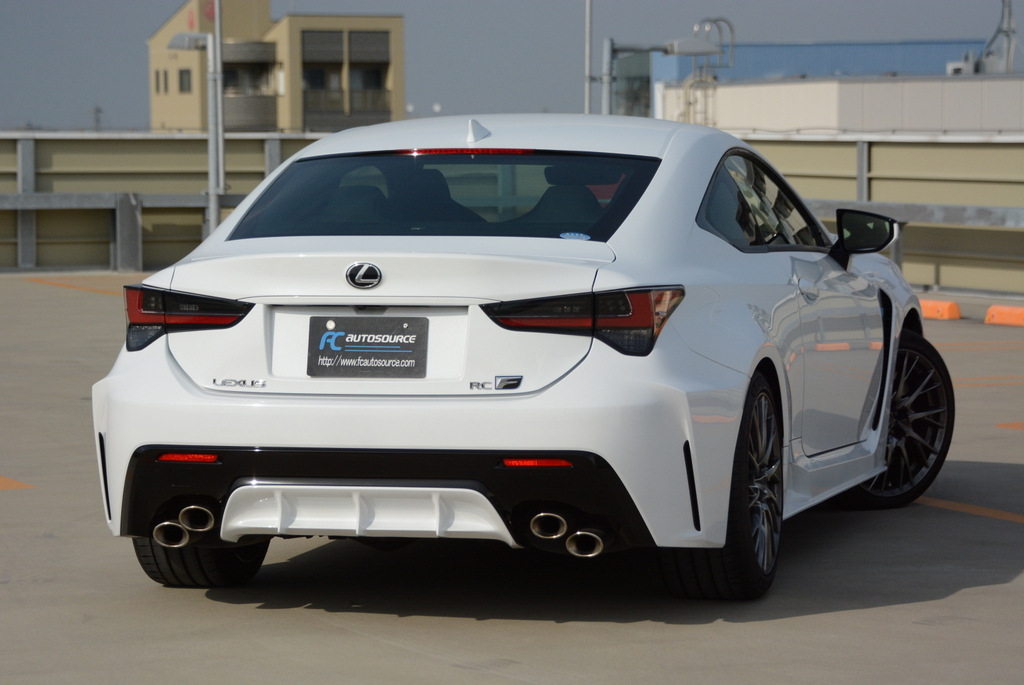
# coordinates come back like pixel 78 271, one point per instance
pixel 273 491
pixel 622 422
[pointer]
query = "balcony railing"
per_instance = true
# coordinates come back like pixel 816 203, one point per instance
pixel 363 101
pixel 246 91
pixel 371 101
pixel 250 112
pixel 323 100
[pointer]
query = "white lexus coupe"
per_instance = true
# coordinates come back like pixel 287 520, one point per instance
pixel 574 333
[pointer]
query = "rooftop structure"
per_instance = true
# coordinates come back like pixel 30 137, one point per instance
pixel 300 73
pixel 781 61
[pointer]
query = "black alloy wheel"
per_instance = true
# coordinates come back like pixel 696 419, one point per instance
pixel 764 481
pixel 921 413
pixel 745 567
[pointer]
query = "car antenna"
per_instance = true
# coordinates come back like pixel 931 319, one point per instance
pixel 476 132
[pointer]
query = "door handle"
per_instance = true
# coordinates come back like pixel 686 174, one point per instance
pixel 807 289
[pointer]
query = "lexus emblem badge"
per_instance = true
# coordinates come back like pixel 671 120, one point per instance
pixel 363 275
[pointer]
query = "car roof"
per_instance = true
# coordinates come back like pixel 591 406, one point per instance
pixel 569 132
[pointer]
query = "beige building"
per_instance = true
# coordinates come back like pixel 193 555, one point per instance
pixel 300 73
pixel 989 104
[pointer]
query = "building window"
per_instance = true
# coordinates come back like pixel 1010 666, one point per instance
pixel 184 80
pixel 367 85
pixel 166 87
pixel 322 88
pixel 156 80
pixel 367 77
pixel 247 80
pixel 314 78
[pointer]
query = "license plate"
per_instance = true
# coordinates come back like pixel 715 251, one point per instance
pixel 367 347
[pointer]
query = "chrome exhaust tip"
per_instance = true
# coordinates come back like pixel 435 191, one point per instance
pixel 585 543
pixel 196 519
pixel 548 526
pixel 170 534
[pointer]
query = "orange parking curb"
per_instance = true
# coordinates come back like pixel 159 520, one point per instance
pixel 940 309
pixel 1004 315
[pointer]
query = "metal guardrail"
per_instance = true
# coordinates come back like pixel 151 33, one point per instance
pixel 974 240
pixel 127 217
pixel 949 215
pixel 126 208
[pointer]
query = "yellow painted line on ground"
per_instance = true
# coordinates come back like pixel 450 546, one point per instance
pixel 989 378
pixel 985 385
pixel 11 484
pixel 73 287
pixel 971 509
pixel 981 346
pixel 1019 425
pixel 990 381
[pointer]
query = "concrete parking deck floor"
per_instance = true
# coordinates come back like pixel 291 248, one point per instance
pixel 932 593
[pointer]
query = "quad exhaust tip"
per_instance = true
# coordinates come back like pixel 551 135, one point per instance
pixel 170 534
pixel 587 543
pixel 192 522
pixel 548 526
pixel 196 519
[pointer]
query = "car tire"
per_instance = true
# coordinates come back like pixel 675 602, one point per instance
pixel 921 414
pixel 745 567
pixel 200 566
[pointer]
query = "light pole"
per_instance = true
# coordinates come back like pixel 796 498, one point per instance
pixel 587 29
pixel 210 42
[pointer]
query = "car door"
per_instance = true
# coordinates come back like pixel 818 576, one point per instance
pixel 840 335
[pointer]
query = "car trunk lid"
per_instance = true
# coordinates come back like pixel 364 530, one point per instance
pixel 421 331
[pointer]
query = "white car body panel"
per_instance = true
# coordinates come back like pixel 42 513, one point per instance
pixel 577 413
pixel 740 312
pixel 281 508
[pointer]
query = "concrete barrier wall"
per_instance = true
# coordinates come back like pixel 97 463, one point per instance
pixel 961 196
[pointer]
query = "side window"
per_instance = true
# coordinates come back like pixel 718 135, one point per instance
pixel 725 211
pixel 747 207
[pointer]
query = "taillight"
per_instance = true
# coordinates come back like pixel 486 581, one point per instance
pixel 152 312
pixel 572 314
pixel 627 320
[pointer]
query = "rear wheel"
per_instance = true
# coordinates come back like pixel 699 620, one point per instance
pixel 921 413
pixel 200 566
pixel 745 567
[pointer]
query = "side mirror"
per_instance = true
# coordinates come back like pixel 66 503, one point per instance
pixel 861 233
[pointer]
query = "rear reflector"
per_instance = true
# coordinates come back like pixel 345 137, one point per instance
pixel 189 458
pixel 627 320
pixel 519 463
pixel 152 312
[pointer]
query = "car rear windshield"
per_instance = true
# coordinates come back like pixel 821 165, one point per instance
pixel 522 193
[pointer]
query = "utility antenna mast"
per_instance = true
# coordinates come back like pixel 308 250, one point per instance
pixel 997 57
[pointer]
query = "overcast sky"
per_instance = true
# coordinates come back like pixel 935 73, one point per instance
pixel 61 58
